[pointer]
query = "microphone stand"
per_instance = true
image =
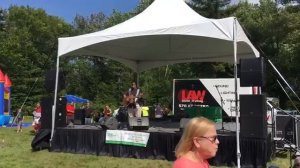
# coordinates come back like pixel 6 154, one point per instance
pixel 221 98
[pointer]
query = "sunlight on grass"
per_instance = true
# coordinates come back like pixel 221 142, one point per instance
pixel 16 152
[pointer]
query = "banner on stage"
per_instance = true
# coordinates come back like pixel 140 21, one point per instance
pixel 206 97
pixel 127 138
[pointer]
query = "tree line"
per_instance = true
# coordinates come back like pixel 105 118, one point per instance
pixel 28 50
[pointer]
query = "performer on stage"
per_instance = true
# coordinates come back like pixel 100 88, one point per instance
pixel 198 143
pixel 88 112
pixel 131 100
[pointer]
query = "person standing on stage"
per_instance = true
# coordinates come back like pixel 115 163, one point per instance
pixel 198 143
pixel 88 114
pixel 70 113
pixel 131 98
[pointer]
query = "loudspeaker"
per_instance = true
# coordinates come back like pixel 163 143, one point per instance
pixel 252 72
pixel 183 122
pixel 253 116
pixel 79 117
pixel 60 116
pixel 287 128
pixel 46 115
pixel 50 79
pixel 110 123
pixel 41 140
pixel 138 123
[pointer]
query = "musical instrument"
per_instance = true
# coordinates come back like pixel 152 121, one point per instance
pixel 129 100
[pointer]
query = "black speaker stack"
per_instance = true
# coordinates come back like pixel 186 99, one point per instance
pixel 253 114
pixel 60 115
pixel 50 79
pixel 253 108
pixel 46 114
pixel 252 72
pixel 48 102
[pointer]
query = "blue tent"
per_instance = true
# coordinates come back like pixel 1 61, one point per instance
pixel 75 99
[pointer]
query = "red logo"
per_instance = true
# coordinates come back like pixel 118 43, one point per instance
pixel 185 95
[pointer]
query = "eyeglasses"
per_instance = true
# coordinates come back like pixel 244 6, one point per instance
pixel 212 139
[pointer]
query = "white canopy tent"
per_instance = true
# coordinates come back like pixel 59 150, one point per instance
pixel 167 32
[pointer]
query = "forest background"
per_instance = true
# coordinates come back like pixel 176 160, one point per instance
pixel 29 40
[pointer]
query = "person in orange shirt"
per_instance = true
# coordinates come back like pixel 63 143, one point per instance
pixel 106 114
pixel 70 113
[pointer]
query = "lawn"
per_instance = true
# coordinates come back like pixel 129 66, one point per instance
pixel 15 151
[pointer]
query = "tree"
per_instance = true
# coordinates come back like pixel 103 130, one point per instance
pixel 97 78
pixel 28 49
pixel 94 22
pixel 274 31
pixel 209 8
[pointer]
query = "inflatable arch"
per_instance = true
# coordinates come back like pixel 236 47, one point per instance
pixel 5 99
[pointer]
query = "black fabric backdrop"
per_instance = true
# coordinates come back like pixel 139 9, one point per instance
pixel 161 145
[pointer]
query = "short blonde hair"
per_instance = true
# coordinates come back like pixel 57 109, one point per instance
pixel 197 126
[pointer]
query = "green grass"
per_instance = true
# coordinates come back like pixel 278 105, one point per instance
pixel 281 160
pixel 15 151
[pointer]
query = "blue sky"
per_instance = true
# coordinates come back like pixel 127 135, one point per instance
pixel 67 9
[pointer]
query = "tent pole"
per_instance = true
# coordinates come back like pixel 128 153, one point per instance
pixel 55 99
pixel 238 153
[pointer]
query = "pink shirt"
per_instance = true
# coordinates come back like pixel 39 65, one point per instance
pixel 183 162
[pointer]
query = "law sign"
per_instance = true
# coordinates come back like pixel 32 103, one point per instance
pixel 191 96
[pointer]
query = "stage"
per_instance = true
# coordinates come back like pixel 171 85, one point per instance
pixel 164 135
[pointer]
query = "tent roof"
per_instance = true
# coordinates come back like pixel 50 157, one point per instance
pixel 167 32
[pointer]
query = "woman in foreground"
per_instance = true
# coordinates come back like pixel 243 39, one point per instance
pixel 198 143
